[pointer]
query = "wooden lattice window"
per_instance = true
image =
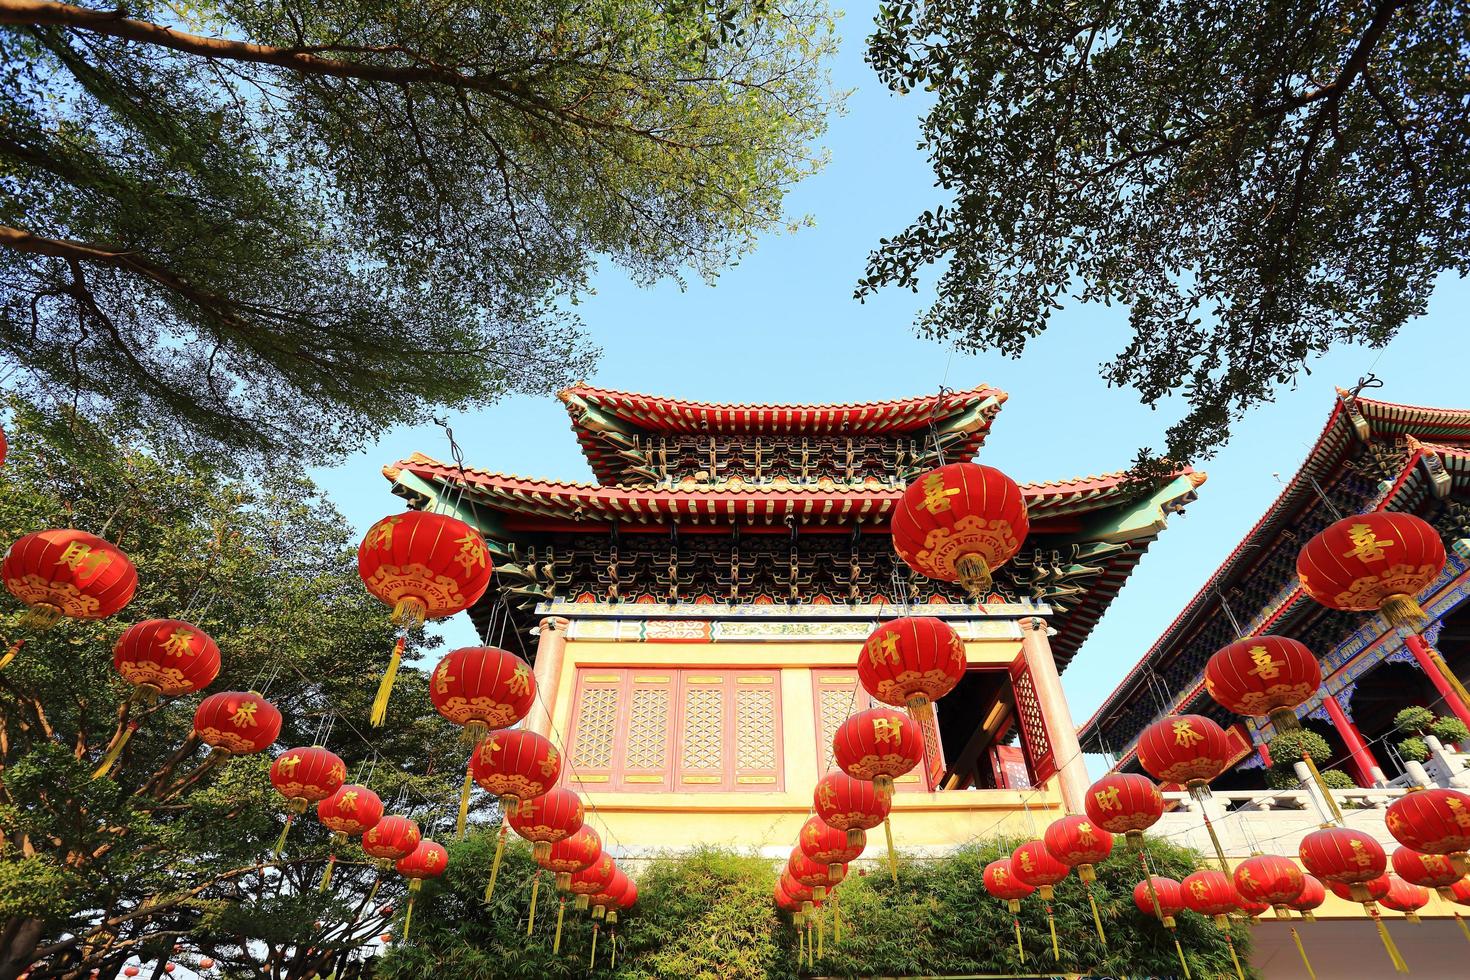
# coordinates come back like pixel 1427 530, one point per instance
pixel 651 729
pixel 837 695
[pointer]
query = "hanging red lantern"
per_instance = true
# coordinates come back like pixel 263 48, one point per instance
pixel 1264 675
pixel 1125 803
pixel 1034 865
pixel 1435 821
pixel 350 812
pixel 1405 897
pixel 1277 881
pixel 305 776
pixel 601 901
pixel 959 523
pixel 1001 883
pixel 1350 862
pixel 567 858
pixel 849 804
pixel 391 838
pixel 514 765
pixel 206 964
pixel 1076 842
pixel 425 566
pixel 830 846
pixel 428 860
pixel 911 662
pixel 1253 909
pixel 878 745
pixel 131 971
pixel 1314 893
pixel 591 880
pixel 482 688
pixel 1379 561
pixel 1429 870
pixel 1187 749
pixel 816 875
pixel 65 573
pixel 237 723
pixel 1170 895
pixel 547 819
pixel 1209 893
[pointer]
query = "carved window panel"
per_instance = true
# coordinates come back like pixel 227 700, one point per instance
pixel 837 696
pixel 594 728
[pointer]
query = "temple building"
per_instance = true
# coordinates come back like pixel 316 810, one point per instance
pixel 694 617
pixel 1372 455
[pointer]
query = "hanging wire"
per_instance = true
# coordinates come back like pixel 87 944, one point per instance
pixel 1229 613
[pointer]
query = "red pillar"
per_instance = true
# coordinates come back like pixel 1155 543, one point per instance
pixel 1362 758
pixel 1419 647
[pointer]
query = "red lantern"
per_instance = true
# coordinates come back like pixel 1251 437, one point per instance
pixel 959 523
pixel 1001 883
pixel 1209 893
pixel 351 810
pixel 547 819
pixel 610 894
pixel 629 899
pixel 428 860
pixel 237 722
pixel 878 745
pixel 1375 888
pixel 1435 821
pixel 166 656
pixel 592 879
pixel 1034 865
pixel 68 573
pixel 1379 561
pixel 515 765
pixel 1343 855
pixel 391 838
pixel 849 804
pixel 1170 895
pixel 1429 870
pixel 911 662
pixel 304 776
pixel 1254 909
pixel 130 971
pixel 567 857
pixel 1125 803
pixel 1277 881
pixel 206 964
pixel 482 688
pixel 1188 749
pixel 816 875
pixel 1076 842
pixel 786 903
pixel 1314 893
pixel 1262 675
pixel 828 845
pixel 425 566
pixel 1405 897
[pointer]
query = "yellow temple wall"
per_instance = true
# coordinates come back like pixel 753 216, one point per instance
pixel 747 819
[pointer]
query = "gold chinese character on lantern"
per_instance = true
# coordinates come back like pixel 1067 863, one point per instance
pixel 1199 888
pixel 1026 861
pixel 431 858
pixel 1265 668
pixel 548 765
pixel 1085 834
pixel 381 535
pixel 887 729
pixel 1360 856
pixel 1184 734
pixel 1457 810
pixel 442 678
pixel 288 765
pixel 936 495
pixel 81 558
pixel 488 748
pixel 471 551
pixel 179 642
pixel 1108 799
pixel 1001 874
pixel 826 795
pixel 520 681
pixel 348 802
pixel 881 647
pixel 244 715
pixel 1366 545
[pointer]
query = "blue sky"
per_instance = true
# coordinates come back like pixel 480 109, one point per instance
pixel 782 327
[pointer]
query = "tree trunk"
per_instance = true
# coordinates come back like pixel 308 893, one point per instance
pixel 20 939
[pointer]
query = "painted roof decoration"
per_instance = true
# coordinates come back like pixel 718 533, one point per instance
pixel 1371 455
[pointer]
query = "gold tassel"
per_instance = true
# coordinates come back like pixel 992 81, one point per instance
pixel 495 865
pixel 892 861
pixel 535 889
pixel 837 922
pixel 1393 951
pixel 373 892
pixel 1183 963
pixel 800 946
pixel 612 963
pixel 1020 948
pixel 10 653
pixel 1239 972
pixel 561 911
pixel 1096 918
pixel 385 686
pixel 1463 927
pixel 280 847
pixel 973 573
pixel 1051 923
pixel 1301 950
pixel 821 935
pixel 592 961
pixel 413 891
pixel 115 751
pixel 327 874
pixel 464 805
pixel 811 949
pixel 1403 612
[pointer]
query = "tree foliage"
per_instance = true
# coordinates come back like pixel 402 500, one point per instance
pixel 172 846
pixel 1255 181
pixel 276 224
pixel 709 914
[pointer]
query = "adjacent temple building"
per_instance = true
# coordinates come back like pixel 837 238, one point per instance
pixel 1371 455
pixel 698 610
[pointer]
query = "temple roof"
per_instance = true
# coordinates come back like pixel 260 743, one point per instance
pixel 608 422
pixel 1415 456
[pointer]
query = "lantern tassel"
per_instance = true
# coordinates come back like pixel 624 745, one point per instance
pixel 1403 612
pixel 413 891
pixel 385 686
pixel 800 946
pixel 1463 927
pixel 1183 963
pixel 892 861
pixel 1393 950
pixel 612 962
pixel 327 874
pixel 1214 837
pixel 1239 971
pixel 535 888
pixel 115 751
pixel 1301 950
pixel 837 922
pixel 495 864
pixel 1096 918
pixel 11 652
pixel 280 847
pixel 1051 923
pixel 592 961
pixel 373 892
pixel 561 912
pixel 821 935
pixel 1449 676
pixel 464 804
pixel 1020 946
pixel 973 572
